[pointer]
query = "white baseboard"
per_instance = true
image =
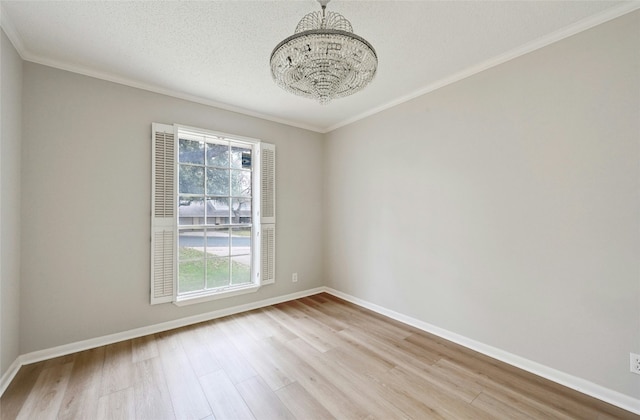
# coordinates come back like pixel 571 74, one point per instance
pixel 586 387
pixel 40 355
pixel 8 376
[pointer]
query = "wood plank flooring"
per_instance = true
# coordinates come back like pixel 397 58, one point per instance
pixel 313 358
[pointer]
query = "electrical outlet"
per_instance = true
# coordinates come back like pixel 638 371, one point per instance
pixel 294 277
pixel 635 363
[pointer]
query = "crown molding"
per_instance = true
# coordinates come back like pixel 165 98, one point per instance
pixel 27 55
pixel 12 33
pixel 534 45
pixel 85 71
pixel 580 26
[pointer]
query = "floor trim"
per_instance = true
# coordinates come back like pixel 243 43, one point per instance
pixel 586 387
pixel 8 376
pixel 45 354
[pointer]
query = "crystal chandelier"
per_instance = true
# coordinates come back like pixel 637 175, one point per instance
pixel 323 59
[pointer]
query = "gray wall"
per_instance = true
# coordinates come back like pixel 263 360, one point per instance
pixel 505 207
pixel 10 135
pixel 86 205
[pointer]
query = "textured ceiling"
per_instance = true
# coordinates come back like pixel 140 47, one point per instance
pixel 217 52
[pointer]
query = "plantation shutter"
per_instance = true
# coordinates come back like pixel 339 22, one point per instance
pixel 268 213
pixel 163 236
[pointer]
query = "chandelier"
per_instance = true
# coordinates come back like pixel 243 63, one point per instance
pixel 323 59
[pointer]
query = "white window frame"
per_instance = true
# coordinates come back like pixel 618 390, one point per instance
pixel 165 216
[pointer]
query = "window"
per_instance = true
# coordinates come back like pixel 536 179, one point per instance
pixel 213 224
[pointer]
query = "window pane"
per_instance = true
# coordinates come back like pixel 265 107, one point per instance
pixel 218 242
pixel 217 182
pixel 191 257
pixel 190 244
pixel 215 192
pixel 218 211
pixel 241 270
pixel 240 183
pixel 190 211
pixel 217 272
pixel 241 210
pixel 241 241
pixel 217 155
pixel 241 157
pixel 191 151
pixel 191 179
pixel 191 276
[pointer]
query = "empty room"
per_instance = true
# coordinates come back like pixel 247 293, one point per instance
pixel 320 209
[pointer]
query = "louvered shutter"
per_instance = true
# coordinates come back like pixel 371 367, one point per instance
pixel 268 183
pixel 268 213
pixel 163 232
pixel 268 254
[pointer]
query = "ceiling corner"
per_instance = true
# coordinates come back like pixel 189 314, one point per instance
pixel 12 32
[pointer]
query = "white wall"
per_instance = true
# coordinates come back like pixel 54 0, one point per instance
pixel 86 205
pixel 505 207
pixel 10 134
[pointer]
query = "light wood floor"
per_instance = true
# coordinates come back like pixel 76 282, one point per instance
pixel 313 358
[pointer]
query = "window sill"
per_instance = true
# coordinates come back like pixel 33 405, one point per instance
pixel 206 297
